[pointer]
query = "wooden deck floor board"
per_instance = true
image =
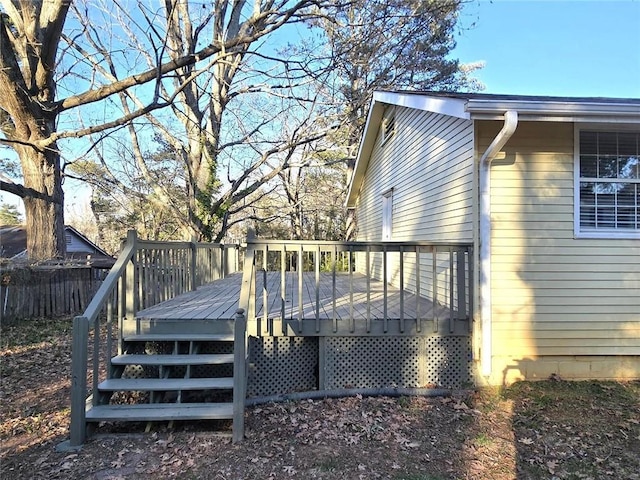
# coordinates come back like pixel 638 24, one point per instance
pixel 219 300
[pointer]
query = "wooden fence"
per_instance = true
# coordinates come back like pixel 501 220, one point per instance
pixel 27 292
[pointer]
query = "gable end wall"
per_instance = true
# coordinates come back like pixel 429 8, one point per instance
pixel 429 165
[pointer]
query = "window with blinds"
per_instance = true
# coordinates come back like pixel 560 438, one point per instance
pixel 609 182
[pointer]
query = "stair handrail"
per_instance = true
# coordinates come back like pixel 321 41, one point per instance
pixel 246 309
pixel 82 324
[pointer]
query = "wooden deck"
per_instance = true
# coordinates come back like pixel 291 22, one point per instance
pixel 333 304
pixel 158 292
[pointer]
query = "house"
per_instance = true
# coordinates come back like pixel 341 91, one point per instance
pixel 547 189
pixel 13 245
pixel 495 234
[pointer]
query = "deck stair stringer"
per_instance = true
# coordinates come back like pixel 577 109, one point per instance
pixel 172 376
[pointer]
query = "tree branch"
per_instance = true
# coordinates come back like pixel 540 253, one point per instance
pixel 24 192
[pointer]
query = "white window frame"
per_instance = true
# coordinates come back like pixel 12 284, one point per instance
pixel 610 233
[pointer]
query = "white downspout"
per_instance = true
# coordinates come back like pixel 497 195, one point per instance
pixel 509 127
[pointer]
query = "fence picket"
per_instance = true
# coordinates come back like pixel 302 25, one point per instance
pixel 47 292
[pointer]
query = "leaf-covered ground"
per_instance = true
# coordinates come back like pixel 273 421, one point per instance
pixel 552 429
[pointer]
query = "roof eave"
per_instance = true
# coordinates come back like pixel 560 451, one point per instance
pixel 555 111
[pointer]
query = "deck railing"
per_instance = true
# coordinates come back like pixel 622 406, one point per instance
pixel 145 274
pixel 439 272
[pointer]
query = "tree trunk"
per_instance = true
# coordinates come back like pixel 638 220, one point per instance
pixel 44 211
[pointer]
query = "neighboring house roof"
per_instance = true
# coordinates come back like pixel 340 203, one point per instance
pixel 478 106
pixel 13 245
pixel 13 241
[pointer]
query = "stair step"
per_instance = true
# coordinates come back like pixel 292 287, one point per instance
pixel 160 412
pixel 179 337
pixel 202 359
pixel 165 384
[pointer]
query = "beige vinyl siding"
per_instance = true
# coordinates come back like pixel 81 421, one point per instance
pixel 553 294
pixel 429 165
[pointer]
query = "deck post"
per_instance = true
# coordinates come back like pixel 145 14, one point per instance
pixel 193 259
pixel 131 284
pixel 78 428
pixel 239 374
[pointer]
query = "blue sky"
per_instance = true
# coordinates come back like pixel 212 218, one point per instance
pixel 542 47
pixel 547 47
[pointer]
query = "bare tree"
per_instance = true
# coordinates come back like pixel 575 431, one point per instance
pixel 30 40
pixel 244 117
pixel 370 45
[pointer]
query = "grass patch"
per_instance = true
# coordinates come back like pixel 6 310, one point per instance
pixel 482 440
pixel 29 332
pixel 418 476
pixel 328 464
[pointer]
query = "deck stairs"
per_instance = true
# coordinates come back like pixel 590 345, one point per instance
pixel 167 376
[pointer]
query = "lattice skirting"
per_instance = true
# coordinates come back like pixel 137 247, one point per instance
pixel 280 365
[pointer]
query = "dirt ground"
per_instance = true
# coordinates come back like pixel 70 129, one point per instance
pixel 545 430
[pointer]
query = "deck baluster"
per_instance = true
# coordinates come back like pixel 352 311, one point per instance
pixel 352 322
pixel 333 288
pixel 283 289
pixel 317 269
pixel 461 284
pixel 300 268
pixel 368 273
pixel 418 320
pixel 265 290
pixel 385 280
pixel 470 297
pixel 434 291
pixel 451 295
pixel 401 253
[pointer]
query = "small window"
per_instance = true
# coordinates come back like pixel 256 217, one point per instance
pixel 608 184
pixel 67 237
pixel 388 126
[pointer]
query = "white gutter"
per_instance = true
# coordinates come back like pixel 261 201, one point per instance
pixel 509 127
